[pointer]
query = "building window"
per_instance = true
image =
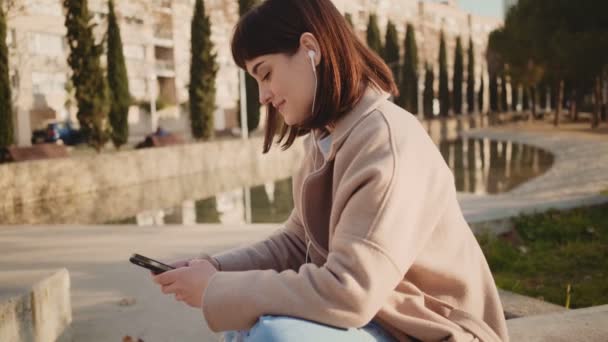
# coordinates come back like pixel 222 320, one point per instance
pixel 11 39
pixel 133 20
pixel 132 51
pixel 14 77
pixel 46 44
pixel 48 83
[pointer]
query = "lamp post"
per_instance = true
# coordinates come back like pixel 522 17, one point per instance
pixel 152 91
pixel 243 93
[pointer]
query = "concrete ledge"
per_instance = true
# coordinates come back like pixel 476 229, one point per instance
pixel 39 313
pixel 44 180
pixel 516 305
pixel 496 220
pixel 588 324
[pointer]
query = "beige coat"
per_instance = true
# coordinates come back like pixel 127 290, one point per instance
pixel 387 242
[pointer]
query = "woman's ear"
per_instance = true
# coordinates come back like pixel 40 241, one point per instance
pixel 308 42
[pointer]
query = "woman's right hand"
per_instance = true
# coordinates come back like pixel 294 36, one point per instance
pixel 177 264
pixel 181 263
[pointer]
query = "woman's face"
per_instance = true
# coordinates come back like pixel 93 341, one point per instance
pixel 285 82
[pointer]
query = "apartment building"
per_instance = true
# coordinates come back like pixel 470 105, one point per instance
pixel 156 38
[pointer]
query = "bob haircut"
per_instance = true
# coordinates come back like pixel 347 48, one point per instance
pixel 346 69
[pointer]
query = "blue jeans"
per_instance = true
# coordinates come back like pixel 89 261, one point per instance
pixel 281 328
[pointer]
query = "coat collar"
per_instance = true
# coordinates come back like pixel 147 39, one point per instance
pixel 370 100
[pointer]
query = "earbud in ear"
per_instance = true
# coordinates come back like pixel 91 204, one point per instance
pixel 311 54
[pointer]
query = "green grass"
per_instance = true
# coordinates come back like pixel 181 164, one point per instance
pixel 551 251
pixel 605 192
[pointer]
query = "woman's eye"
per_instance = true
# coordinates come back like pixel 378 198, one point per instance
pixel 267 77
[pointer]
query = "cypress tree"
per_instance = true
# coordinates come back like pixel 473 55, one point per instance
pixel 526 99
pixel 444 91
pixel 120 98
pixel 203 69
pixel 92 91
pixel 391 50
pixel 480 100
pixel 471 78
pixel 374 41
pixel 493 92
pixel 251 86
pixel 6 108
pixel 409 78
pixel 543 89
pixel 458 77
pixel 514 97
pixel 428 95
pixel 504 104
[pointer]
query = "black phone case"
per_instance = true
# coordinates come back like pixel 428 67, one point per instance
pixel 155 266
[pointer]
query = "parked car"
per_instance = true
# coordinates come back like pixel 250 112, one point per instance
pixel 59 133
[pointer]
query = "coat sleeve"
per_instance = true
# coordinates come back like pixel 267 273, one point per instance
pixel 284 249
pixel 385 197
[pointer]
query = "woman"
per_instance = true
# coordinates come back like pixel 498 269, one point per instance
pixel 377 248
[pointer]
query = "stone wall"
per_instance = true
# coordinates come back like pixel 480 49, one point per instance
pixel 109 185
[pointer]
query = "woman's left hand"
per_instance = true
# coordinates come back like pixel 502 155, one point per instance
pixel 188 284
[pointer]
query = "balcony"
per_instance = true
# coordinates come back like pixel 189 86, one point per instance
pixel 165 68
pixel 163 32
pixel 162 5
pixel 163 35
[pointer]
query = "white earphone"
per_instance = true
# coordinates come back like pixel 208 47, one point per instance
pixel 311 55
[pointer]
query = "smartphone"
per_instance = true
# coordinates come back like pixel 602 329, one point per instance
pixel 156 267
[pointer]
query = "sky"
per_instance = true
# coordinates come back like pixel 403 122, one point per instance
pixel 492 8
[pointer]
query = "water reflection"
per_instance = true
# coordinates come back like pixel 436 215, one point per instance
pixel 268 203
pixel 480 166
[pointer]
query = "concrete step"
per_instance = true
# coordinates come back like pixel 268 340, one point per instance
pixel 35 306
pixel 516 305
pixel 589 324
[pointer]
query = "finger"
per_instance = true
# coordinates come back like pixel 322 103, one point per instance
pixel 166 278
pixel 179 297
pixel 173 288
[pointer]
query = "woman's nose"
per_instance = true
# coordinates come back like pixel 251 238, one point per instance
pixel 265 96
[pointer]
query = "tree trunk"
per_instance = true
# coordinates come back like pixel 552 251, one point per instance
pixel 603 111
pixel 573 113
pixel 596 102
pixel 559 102
pixel 532 92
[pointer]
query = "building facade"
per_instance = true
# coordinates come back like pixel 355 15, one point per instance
pixel 156 38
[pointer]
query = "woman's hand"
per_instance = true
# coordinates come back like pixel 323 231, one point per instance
pixel 181 263
pixel 187 283
pixel 176 264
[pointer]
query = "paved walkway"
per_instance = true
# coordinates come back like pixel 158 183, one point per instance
pixel 97 256
pixel 578 176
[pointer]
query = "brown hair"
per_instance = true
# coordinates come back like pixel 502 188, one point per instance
pixel 347 66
